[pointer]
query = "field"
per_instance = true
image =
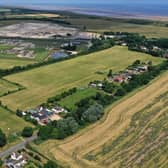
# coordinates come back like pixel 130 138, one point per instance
pixel 9 63
pixel 6 87
pixel 117 25
pixel 40 54
pixel 10 123
pixel 44 82
pixel 70 101
pixel 132 134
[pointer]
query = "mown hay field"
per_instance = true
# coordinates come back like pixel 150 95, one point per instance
pixel 44 82
pixel 132 134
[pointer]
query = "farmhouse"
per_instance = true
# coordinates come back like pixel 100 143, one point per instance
pixel 44 115
pixel 119 79
pixel 96 84
pixel 126 75
pixel 16 160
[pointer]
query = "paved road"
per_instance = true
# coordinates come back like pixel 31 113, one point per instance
pixel 17 147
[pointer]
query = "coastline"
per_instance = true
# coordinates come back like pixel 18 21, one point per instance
pixel 92 12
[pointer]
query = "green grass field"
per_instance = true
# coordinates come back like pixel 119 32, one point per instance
pixel 10 123
pixel 44 82
pixel 41 54
pixel 9 63
pixel 117 25
pixel 6 87
pixel 70 101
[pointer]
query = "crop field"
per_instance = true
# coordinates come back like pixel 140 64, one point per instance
pixel 132 134
pixel 10 123
pixel 47 81
pixel 6 63
pixel 6 87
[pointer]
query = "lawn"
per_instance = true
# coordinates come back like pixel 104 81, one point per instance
pixel 6 63
pixel 70 101
pixel 6 87
pixel 50 80
pixel 10 123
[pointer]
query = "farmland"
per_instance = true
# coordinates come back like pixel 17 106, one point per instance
pixel 10 123
pixel 133 131
pixel 47 81
pixel 117 25
pixel 6 87
pixel 6 63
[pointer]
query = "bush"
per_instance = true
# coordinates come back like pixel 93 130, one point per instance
pixel 27 132
pixel 51 164
pixel 93 113
pixel 1 162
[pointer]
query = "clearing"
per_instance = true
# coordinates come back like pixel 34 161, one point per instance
pixel 133 131
pixel 47 81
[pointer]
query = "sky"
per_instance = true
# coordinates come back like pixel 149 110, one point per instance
pixel 81 1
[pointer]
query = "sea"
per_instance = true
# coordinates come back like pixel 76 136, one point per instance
pixel 114 9
pixel 129 9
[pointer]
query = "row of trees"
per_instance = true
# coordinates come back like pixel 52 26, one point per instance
pixel 3 139
pixel 137 42
pixel 57 98
pixel 100 44
pixel 135 82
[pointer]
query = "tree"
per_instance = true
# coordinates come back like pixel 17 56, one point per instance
pixel 19 113
pixel 1 162
pixel 120 92
pixel 137 62
pixel 3 139
pixel 110 74
pixel 93 113
pixel 50 164
pixel 45 132
pixel 27 132
pixel 66 127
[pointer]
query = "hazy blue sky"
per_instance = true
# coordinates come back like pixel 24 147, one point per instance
pixel 81 1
